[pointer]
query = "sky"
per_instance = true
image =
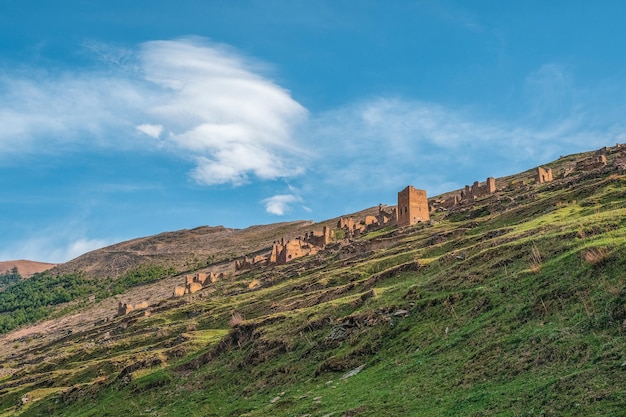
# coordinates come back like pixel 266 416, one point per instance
pixel 125 119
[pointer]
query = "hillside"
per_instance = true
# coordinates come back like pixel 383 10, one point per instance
pixel 512 304
pixel 25 268
pixel 189 249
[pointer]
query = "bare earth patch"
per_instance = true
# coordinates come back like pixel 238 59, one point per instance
pixel 25 268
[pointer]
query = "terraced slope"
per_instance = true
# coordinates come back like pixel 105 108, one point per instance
pixel 514 305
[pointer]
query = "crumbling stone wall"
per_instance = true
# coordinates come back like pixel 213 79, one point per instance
pixel 412 206
pixel 125 308
pixel 620 163
pixel 449 202
pixel 369 220
pixel 594 162
pixel 543 175
pixel 193 287
pixel 478 190
pixel 283 252
pixel 201 277
pixel 319 239
pixel 141 305
pixel 243 264
pixel 351 228
pixel 386 217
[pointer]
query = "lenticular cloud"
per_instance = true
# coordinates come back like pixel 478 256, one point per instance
pixel 212 105
pixel 202 101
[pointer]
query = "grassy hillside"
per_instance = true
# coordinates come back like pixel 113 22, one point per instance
pixel 514 305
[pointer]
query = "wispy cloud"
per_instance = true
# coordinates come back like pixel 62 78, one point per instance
pixel 216 107
pixel 280 204
pixel 202 101
pixel 40 111
pixel 383 142
pixel 52 248
pixel 151 130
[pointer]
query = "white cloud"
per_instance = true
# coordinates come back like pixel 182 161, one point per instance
pixel 383 143
pixel 52 248
pixel 153 131
pixel 280 203
pixel 234 121
pixel 40 111
pixel 218 110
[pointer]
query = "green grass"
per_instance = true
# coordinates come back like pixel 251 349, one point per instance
pixel 515 309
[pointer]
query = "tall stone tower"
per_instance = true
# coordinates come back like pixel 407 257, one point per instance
pixel 412 206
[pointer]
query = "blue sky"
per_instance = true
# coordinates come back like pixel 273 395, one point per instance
pixel 125 119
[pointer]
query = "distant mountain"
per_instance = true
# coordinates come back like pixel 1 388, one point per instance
pixel 25 268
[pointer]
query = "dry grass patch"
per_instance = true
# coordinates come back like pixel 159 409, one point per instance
pixel 535 259
pixel 594 256
pixel 236 319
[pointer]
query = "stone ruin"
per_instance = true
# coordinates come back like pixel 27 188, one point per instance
pixel 597 161
pixel 412 207
pixel 192 287
pixel 543 175
pixel 125 308
pixel 468 194
pixel 246 263
pixel 446 203
pixel 620 163
pixel 319 239
pixel 312 242
pixel 478 190
pixel 285 251
pixel 353 228
pixel 194 283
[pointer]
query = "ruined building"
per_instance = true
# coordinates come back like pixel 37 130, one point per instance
pixel 125 308
pixel 192 287
pixel 350 227
pixel 543 175
pixel 243 264
pixel 594 162
pixel 385 217
pixel 194 283
pixel 247 263
pixel 319 239
pixel 353 228
pixel 447 203
pixel 412 206
pixel 283 252
pixel 478 190
pixel 201 277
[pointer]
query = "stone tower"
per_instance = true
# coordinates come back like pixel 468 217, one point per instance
pixel 412 206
